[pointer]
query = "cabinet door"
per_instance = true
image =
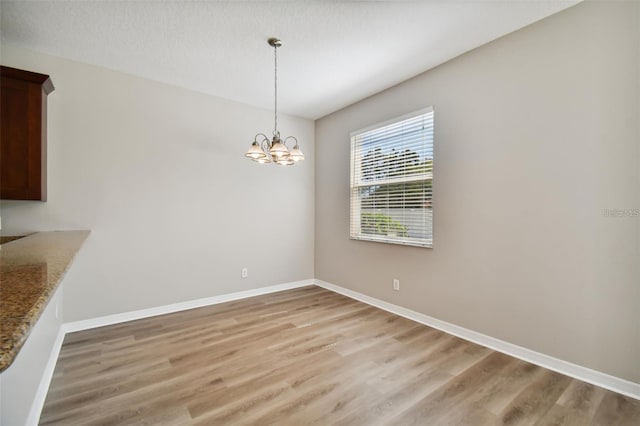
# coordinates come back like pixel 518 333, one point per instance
pixel 21 143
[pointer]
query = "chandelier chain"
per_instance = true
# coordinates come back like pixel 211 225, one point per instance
pixel 275 87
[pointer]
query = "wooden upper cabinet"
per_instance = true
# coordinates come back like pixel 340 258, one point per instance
pixel 23 139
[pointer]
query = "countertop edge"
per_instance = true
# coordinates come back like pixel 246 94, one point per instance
pixel 32 315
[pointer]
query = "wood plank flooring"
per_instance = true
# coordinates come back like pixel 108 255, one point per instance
pixel 307 356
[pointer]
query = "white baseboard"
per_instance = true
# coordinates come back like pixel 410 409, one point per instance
pixel 176 307
pixel 585 374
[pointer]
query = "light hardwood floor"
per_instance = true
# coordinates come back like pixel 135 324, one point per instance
pixel 307 356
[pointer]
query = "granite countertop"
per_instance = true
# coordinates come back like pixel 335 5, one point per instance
pixel 30 270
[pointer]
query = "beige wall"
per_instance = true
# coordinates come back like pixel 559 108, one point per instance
pixel 158 174
pixel 535 134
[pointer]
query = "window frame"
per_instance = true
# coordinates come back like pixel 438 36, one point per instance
pixel 355 201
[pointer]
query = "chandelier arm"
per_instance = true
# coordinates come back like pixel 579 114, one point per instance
pixel 264 143
pixel 260 134
pixel 289 137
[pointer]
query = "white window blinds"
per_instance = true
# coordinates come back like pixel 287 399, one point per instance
pixel 391 181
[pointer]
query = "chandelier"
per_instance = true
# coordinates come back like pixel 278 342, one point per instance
pixel 263 150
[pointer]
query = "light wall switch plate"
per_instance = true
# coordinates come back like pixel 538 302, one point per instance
pixel 396 284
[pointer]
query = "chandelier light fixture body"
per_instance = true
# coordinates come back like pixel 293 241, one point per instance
pixel 263 150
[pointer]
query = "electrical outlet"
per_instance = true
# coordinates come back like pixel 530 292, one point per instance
pixel 244 273
pixel 396 284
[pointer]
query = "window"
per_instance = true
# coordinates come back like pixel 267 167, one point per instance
pixel 391 181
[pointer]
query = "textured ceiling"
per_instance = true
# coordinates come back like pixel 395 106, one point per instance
pixel 334 53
